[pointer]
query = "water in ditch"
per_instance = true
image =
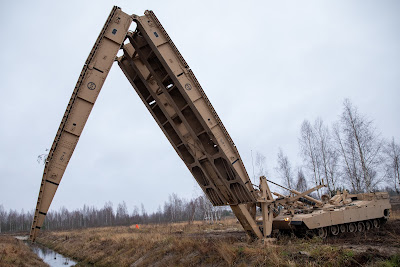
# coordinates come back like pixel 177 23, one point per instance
pixel 49 256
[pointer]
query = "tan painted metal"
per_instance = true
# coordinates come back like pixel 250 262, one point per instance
pixel 266 207
pixel 84 96
pixel 299 195
pixel 341 210
pixel 170 91
pixel 174 97
pixel 302 214
pixel 172 94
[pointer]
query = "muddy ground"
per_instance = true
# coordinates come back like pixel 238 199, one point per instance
pixel 383 242
pixel 14 252
pixel 223 244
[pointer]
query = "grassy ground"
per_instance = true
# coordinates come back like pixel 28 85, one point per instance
pixel 14 252
pixel 223 244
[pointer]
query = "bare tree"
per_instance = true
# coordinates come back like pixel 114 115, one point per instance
pixel 309 152
pixel 191 209
pixel 198 208
pixel 109 213
pixel 301 183
pixel 135 214
pixel 360 148
pixel 392 164
pixel 327 157
pixel 144 213
pixel 122 214
pixel 43 157
pixel 3 215
pixel 261 165
pixel 350 173
pixel 333 167
pixel 284 169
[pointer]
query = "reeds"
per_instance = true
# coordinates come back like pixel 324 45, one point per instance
pixel 14 252
pixel 198 244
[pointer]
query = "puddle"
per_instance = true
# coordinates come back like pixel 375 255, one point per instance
pixel 49 256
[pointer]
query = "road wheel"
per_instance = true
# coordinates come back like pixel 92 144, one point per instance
pixel 335 230
pixel 376 223
pixel 322 232
pixel 386 213
pixel 360 226
pixel 352 227
pixel 342 228
pixel 368 225
pixel 310 233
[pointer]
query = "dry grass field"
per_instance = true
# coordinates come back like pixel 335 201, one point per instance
pixel 223 244
pixel 14 252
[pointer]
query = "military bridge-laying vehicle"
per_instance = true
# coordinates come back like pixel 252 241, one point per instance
pixel 170 91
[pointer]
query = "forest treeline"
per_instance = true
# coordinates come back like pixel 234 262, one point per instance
pixel 175 209
pixel 351 154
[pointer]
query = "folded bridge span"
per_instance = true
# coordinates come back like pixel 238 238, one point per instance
pixel 170 91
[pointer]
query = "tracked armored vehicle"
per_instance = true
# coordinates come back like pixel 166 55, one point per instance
pixel 342 213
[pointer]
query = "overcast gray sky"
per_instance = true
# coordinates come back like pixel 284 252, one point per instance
pixel 265 65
